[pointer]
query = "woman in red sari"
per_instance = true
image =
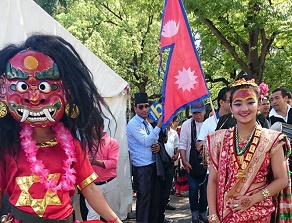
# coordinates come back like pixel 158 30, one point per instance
pixel 247 163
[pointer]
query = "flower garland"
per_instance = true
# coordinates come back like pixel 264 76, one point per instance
pixel 37 167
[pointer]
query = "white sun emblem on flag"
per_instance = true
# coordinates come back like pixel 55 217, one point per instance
pixel 186 79
pixel 170 29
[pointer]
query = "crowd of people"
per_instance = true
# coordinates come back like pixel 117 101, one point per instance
pixel 232 162
pixel 233 165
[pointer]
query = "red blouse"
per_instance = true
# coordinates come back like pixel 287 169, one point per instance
pixel 29 195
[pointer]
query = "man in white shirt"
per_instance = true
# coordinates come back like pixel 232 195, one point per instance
pixel 281 111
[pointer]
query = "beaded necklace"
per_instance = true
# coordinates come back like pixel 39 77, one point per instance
pixel 240 152
pixel 242 161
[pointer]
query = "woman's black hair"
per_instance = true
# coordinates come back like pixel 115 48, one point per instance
pixel 79 89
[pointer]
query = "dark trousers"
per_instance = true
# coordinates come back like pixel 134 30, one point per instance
pixel 165 188
pixel 148 194
pixel 169 174
pixel 197 186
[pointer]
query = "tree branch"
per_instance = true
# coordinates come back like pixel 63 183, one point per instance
pixel 111 11
pixel 225 42
pixel 215 80
pixel 266 45
pixel 150 21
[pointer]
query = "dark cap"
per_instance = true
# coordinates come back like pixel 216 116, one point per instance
pixel 141 97
pixel 198 107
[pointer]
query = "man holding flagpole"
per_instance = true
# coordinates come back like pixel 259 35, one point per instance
pixel 143 145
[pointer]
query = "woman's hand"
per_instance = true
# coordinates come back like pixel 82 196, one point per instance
pixel 241 203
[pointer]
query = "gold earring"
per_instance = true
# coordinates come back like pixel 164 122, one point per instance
pixel 232 115
pixel 75 111
pixel 259 112
pixel 3 109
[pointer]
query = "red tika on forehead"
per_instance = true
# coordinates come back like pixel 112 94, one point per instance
pixel 244 94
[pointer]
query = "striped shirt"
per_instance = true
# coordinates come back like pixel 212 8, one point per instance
pixel 139 142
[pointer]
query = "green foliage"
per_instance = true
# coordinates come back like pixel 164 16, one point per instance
pixel 51 6
pixel 124 34
pixel 246 36
pixel 233 37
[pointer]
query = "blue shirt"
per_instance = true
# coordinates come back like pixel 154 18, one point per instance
pixel 140 142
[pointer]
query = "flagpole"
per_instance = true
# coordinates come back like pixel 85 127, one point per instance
pixel 213 110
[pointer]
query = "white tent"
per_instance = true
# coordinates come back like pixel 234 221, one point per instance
pixel 21 18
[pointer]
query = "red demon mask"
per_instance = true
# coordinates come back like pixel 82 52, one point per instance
pixel 33 90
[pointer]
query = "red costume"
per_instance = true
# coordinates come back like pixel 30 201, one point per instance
pixel 47 120
pixel 27 194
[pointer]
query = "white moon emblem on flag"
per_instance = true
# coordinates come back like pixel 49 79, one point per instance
pixel 170 29
pixel 186 79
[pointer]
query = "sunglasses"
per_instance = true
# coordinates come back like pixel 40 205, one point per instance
pixel 140 107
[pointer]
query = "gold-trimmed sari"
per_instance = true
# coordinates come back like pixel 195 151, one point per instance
pixel 235 181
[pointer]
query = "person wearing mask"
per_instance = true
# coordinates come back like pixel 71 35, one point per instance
pixel 43 113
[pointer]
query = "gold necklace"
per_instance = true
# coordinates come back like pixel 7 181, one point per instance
pixel 51 142
pixel 244 138
pixel 240 151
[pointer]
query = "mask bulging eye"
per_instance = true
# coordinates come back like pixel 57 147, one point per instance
pixel 45 87
pixel 21 86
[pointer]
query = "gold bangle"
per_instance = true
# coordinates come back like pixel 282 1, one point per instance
pixel 212 217
pixel 266 193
